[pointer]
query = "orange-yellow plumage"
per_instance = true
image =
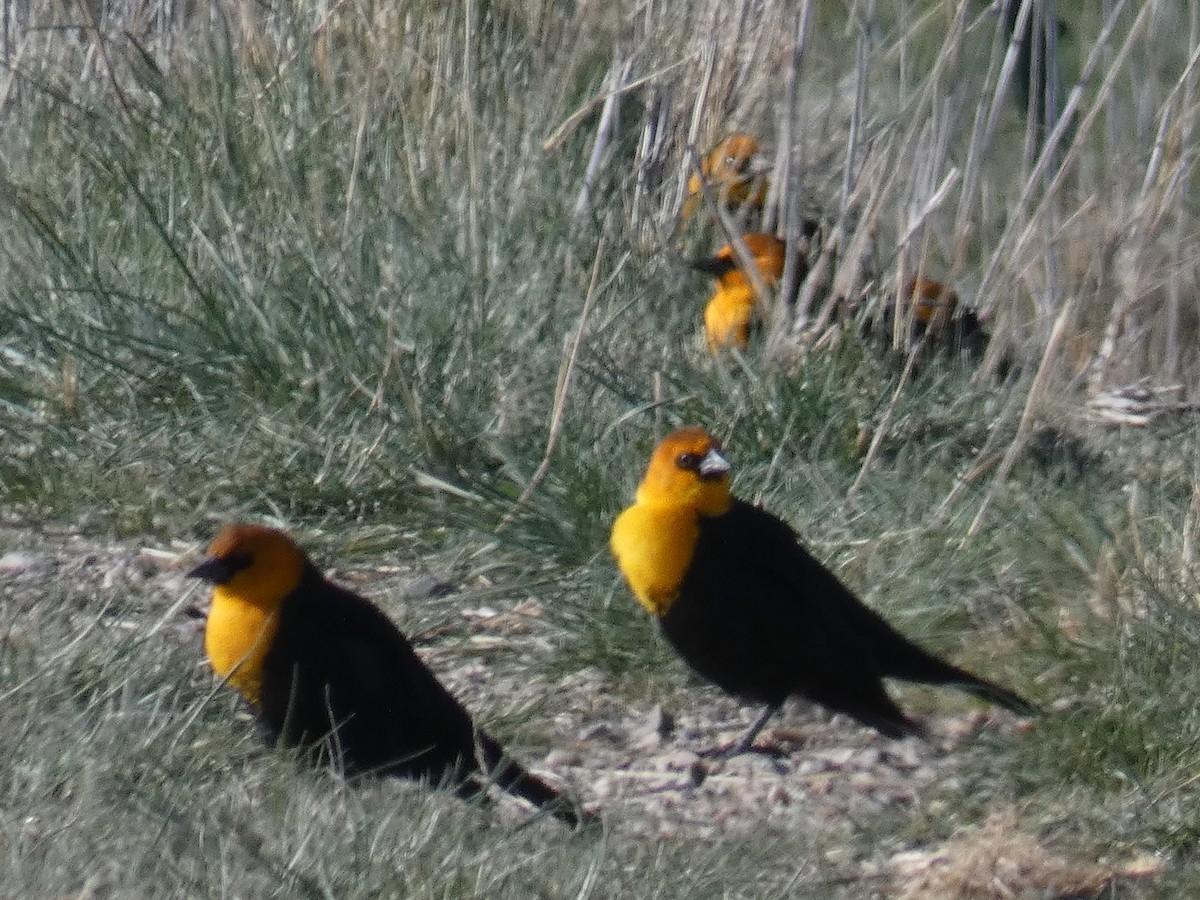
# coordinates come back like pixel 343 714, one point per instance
pixel 736 170
pixel 245 610
pixel 932 318
pixel 653 540
pixel 728 317
pixel 731 311
pixel 933 304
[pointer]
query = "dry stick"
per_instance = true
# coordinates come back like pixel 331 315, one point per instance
pixel 708 54
pixel 571 122
pixel 857 116
pixel 1004 79
pixel 1174 325
pixel 360 140
pixel 603 130
pixel 940 193
pixel 939 196
pixel 651 131
pixel 1074 150
pixel 779 191
pixel 1152 178
pixel 13 68
pixel 1010 247
pixel 789 199
pixel 847 280
pixel 1161 195
pixel 94 28
pixel 927 144
pixel 1040 381
pixel 566 370
pixel 995 83
pixel 474 235
pixel 1037 72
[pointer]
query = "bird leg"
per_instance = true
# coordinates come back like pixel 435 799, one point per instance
pixel 745 744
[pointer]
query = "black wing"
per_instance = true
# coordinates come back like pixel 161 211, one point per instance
pixel 759 615
pixel 341 679
pixel 341 676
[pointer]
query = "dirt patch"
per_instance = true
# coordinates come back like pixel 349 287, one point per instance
pixel 646 769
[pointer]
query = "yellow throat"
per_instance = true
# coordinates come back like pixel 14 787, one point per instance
pixel 654 540
pixel 238 637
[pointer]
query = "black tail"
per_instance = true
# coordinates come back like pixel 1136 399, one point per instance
pixel 909 662
pixel 890 722
pixel 996 694
pixel 513 777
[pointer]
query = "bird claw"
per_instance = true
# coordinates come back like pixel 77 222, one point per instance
pixel 737 749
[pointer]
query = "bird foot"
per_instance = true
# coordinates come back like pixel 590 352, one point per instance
pixel 737 749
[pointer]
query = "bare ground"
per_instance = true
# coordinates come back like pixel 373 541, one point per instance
pixel 641 766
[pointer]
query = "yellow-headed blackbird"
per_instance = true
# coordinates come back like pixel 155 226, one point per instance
pixel 326 671
pixel 736 170
pixel 939 318
pixel 730 313
pixel 747 607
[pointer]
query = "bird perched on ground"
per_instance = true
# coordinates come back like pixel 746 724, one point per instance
pixel 938 319
pixel 730 313
pixel 736 170
pixel 747 607
pixel 326 671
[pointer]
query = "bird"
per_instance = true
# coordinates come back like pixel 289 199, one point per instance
pixel 736 169
pixel 748 608
pixel 730 311
pixel 729 316
pixel 327 672
pixel 938 318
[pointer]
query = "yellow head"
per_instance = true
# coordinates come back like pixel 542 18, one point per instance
pixel 737 169
pixel 252 570
pixel 654 539
pixel 767 250
pixel 688 469
pixel 933 303
pixel 734 158
pixel 260 565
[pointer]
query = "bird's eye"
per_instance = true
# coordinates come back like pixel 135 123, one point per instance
pixel 688 461
pixel 238 560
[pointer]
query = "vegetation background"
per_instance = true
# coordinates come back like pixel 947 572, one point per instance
pixel 405 278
